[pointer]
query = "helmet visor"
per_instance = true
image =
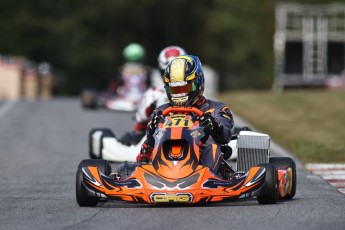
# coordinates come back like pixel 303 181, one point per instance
pixel 189 87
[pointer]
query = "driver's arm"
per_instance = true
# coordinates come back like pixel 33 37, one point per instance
pixel 223 116
pixel 151 128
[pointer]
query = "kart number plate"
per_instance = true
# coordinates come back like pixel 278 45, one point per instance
pixel 178 122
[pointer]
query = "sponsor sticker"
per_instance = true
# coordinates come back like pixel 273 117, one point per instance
pixel 171 198
pixel 195 133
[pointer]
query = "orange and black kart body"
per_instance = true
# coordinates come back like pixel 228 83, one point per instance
pixel 175 174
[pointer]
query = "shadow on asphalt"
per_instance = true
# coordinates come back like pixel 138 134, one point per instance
pixel 244 203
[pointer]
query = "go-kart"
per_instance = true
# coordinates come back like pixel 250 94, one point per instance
pixel 127 98
pixel 91 99
pixel 175 175
pixel 115 97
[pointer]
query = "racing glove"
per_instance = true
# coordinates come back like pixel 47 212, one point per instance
pixel 209 125
pixel 145 153
pixel 157 118
pixel 149 110
pixel 140 127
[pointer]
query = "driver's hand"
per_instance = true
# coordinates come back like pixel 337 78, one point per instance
pixel 208 123
pixel 145 153
pixel 149 110
pixel 157 118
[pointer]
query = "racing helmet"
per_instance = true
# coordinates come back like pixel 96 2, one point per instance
pixel 184 80
pixel 133 52
pixel 167 54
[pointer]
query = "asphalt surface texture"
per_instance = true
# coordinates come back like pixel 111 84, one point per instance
pixel 42 143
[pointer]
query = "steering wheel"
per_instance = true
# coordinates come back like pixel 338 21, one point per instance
pixel 182 109
pixel 187 110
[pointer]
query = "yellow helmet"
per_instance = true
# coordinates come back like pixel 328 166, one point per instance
pixel 184 80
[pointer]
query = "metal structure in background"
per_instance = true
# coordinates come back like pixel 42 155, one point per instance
pixel 309 44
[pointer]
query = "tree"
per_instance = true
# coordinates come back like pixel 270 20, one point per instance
pixel 86 37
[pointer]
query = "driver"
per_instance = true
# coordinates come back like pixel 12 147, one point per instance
pixel 133 76
pixel 184 84
pixel 152 98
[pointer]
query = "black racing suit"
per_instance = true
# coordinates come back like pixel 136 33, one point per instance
pixel 223 116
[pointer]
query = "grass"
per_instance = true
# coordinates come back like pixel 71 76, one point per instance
pixel 309 123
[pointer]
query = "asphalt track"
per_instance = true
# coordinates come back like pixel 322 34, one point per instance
pixel 42 142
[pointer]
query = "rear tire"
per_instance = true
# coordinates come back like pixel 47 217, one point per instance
pixel 83 196
pixel 89 99
pixel 281 162
pixel 270 192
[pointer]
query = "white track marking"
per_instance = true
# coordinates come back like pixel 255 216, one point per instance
pixel 313 166
pixel 334 174
pixel 333 177
pixel 338 184
pixel 6 107
pixel 342 190
pixel 329 172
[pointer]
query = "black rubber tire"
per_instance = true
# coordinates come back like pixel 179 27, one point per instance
pixel 105 133
pixel 83 198
pixel 126 169
pixel 91 154
pixel 281 162
pixel 237 130
pixel 270 194
pixel 89 99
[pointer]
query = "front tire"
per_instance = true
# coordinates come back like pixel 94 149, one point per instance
pixel 283 163
pixel 84 195
pixel 270 192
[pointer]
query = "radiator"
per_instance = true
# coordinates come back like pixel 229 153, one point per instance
pixel 253 149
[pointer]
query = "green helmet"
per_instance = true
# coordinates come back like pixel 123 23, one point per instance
pixel 133 52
